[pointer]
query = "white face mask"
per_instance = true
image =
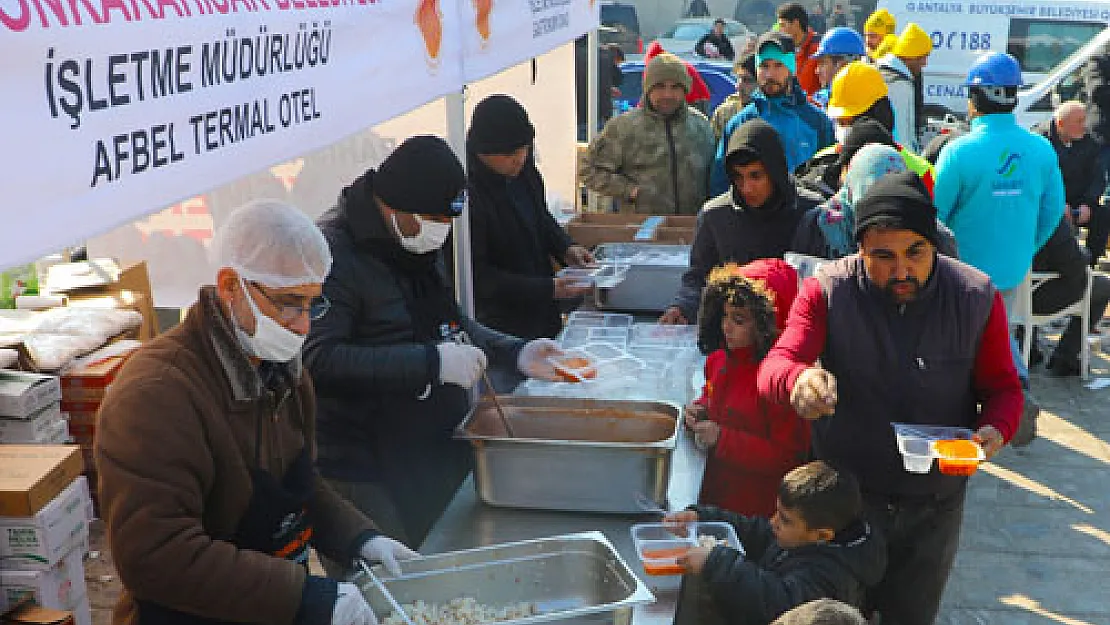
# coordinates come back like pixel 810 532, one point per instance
pixel 842 134
pixel 430 238
pixel 271 341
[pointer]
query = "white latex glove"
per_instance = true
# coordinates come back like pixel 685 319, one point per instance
pixel 351 607
pixel 534 359
pixel 387 551
pixel 460 364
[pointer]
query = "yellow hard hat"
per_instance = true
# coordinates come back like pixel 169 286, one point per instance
pixel 881 22
pixel 854 89
pixel 885 47
pixel 913 42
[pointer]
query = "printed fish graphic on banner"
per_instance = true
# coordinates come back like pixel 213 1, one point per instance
pixel 429 19
pixel 482 11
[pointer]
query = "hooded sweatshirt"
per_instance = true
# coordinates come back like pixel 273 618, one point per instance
pixel 802 127
pixel 759 441
pixel 755 587
pixel 728 230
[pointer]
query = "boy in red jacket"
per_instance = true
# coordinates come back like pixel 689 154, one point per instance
pixel 752 443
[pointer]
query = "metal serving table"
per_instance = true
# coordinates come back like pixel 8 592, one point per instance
pixel 468 523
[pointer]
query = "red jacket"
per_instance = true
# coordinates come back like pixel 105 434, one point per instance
pixel 760 441
pixel 806 64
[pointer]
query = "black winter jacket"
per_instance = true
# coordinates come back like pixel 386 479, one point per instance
pixel 1063 255
pixel 755 587
pixel 727 230
pixel 383 415
pixel 511 253
pixel 1079 164
pixel 1096 84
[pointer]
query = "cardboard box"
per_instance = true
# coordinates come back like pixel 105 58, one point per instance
pixel 97 375
pixel 591 229
pixel 70 407
pixel 62 586
pixel 32 475
pixel 24 394
pixel 35 428
pixel 31 614
pixel 40 541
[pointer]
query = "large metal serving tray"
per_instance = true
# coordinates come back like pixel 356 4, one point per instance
pixel 583 455
pixel 577 578
pixel 654 276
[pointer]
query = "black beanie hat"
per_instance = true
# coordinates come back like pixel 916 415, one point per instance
pixel 421 176
pixel 862 132
pixel 898 201
pixel 499 125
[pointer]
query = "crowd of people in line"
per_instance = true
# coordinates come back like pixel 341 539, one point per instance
pixel 310 395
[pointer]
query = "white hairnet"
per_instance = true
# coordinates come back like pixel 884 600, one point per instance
pixel 272 243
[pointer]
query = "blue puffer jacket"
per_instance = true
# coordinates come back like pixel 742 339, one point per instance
pixel 1000 190
pixel 804 129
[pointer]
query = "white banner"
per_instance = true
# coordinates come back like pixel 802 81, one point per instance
pixel 498 34
pixel 116 108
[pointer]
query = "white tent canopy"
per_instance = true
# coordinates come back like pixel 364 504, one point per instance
pixel 117 114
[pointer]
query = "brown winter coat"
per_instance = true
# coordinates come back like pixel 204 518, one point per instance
pixel 176 441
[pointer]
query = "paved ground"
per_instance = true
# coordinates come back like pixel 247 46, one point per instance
pixel 1036 542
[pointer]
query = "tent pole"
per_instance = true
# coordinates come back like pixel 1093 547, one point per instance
pixel 592 95
pixel 464 274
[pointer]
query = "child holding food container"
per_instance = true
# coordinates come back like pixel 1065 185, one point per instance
pixel 751 443
pixel 817 545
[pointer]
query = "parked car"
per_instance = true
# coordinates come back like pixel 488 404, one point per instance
pixel 684 35
pixel 716 74
pixel 621 25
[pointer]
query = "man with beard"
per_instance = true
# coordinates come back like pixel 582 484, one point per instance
pixel 779 101
pixel 757 218
pixel 654 159
pixel 908 334
pixel 744 69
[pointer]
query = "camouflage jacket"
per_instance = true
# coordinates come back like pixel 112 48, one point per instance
pixel 725 111
pixel 668 160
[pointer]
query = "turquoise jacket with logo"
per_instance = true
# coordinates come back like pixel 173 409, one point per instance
pixel 1000 190
pixel 802 127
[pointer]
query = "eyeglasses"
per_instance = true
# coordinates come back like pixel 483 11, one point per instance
pixel 288 313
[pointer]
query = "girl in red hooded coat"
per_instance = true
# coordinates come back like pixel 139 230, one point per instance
pixel 751 443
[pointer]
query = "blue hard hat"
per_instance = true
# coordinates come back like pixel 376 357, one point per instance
pixel 841 41
pixel 994 69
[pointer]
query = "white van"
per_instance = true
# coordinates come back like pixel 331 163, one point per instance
pixel 1040 34
pixel 1063 83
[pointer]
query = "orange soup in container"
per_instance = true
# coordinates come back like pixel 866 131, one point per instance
pixel 958 456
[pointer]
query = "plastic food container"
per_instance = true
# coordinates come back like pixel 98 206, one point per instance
pixel 577 336
pixel 958 456
pixel 659 548
pixel 581 277
pixel 952 447
pixel 590 319
pixel 574 366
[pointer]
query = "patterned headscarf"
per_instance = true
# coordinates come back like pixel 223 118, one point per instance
pixel 838 220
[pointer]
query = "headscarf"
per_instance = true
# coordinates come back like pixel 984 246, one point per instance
pixel 838 220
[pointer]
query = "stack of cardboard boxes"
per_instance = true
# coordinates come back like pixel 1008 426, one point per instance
pixel 30 412
pixel 45 511
pixel 83 389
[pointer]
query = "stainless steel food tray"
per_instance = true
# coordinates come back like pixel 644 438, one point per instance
pixel 586 455
pixel 576 578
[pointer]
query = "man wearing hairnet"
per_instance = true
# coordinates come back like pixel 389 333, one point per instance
pixel 395 359
pixel 206 444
